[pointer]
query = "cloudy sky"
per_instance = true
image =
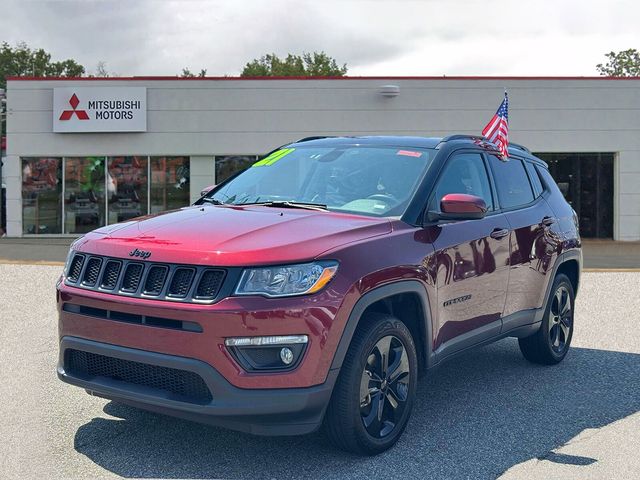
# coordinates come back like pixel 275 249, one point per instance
pixel 374 37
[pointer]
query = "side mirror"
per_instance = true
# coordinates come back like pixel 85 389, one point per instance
pixel 206 190
pixel 460 206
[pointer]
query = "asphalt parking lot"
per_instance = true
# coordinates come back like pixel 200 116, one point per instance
pixel 485 415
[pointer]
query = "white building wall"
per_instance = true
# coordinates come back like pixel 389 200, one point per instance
pixel 206 117
pixel 12 178
pixel 628 195
pixel 202 174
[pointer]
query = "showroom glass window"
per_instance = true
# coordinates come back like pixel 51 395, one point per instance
pixel 74 195
pixel 41 195
pixel 127 180
pixel 227 165
pixel 170 183
pixel 84 196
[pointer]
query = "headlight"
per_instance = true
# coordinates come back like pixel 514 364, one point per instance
pixel 286 280
pixel 67 262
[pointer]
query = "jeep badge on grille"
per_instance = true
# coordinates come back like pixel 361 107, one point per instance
pixel 140 253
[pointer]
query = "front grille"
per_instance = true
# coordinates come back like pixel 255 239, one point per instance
pixel 119 276
pixel 210 283
pixel 182 385
pixel 155 280
pixel 92 271
pixel 132 276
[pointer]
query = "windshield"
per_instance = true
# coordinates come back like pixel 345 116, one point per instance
pixel 368 180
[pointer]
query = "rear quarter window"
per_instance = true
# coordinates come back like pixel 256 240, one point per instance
pixel 512 182
pixel 536 183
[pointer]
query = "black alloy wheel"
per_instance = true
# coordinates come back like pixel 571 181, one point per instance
pixel 384 386
pixel 374 394
pixel 560 320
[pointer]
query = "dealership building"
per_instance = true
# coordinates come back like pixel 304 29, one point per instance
pixel 82 153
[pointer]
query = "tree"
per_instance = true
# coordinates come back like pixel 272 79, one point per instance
pixel 621 64
pixel 186 73
pixel 316 64
pixel 21 61
pixel 101 69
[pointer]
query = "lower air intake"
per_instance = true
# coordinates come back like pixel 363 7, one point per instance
pixel 182 385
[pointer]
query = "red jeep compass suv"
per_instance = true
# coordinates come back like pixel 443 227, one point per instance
pixel 316 285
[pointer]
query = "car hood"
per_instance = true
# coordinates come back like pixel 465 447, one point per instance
pixel 233 235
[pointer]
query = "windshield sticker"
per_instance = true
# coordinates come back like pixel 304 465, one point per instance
pixel 409 153
pixel 274 157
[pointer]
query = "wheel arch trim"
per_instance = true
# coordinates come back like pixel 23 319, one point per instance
pixel 375 295
pixel 569 255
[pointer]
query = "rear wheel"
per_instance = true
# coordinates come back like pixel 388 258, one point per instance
pixel 551 342
pixel 374 395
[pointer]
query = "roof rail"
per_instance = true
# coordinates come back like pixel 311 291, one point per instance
pixel 484 139
pixel 479 139
pixel 317 137
pixel 305 139
pixel 519 147
pixel 463 137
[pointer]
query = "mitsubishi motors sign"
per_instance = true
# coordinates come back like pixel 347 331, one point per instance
pixel 99 109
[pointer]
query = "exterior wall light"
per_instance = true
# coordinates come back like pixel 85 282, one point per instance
pixel 389 91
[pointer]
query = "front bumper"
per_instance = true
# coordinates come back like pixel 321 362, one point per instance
pixel 199 331
pixel 288 411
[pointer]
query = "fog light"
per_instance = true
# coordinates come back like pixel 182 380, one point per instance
pixel 264 341
pixel 286 355
pixel 277 352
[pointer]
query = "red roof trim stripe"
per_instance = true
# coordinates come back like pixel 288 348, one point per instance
pixel 148 78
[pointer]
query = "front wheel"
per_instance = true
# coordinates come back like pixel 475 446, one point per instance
pixel 374 395
pixel 550 343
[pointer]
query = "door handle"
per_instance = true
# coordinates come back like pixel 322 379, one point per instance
pixel 548 221
pixel 499 233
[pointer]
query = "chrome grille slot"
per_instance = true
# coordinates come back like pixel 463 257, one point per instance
pixel 181 282
pixel 209 284
pixel 111 274
pixel 155 280
pixel 132 276
pixel 76 268
pixel 92 271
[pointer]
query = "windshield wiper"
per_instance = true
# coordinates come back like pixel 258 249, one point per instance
pixel 212 200
pixel 289 204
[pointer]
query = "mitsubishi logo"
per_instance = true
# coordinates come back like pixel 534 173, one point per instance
pixel 67 114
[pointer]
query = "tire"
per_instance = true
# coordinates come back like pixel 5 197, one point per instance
pixel 361 417
pixel 550 344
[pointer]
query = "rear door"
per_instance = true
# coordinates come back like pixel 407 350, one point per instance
pixel 532 239
pixel 471 259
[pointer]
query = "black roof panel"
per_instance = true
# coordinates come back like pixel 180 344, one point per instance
pixel 395 141
pixel 402 141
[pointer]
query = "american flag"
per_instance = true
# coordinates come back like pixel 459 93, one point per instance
pixel 497 130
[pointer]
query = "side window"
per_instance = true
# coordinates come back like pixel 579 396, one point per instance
pixel 512 182
pixel 535 179
pixel 464 173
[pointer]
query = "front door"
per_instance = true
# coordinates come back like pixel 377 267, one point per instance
pixel 471 259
